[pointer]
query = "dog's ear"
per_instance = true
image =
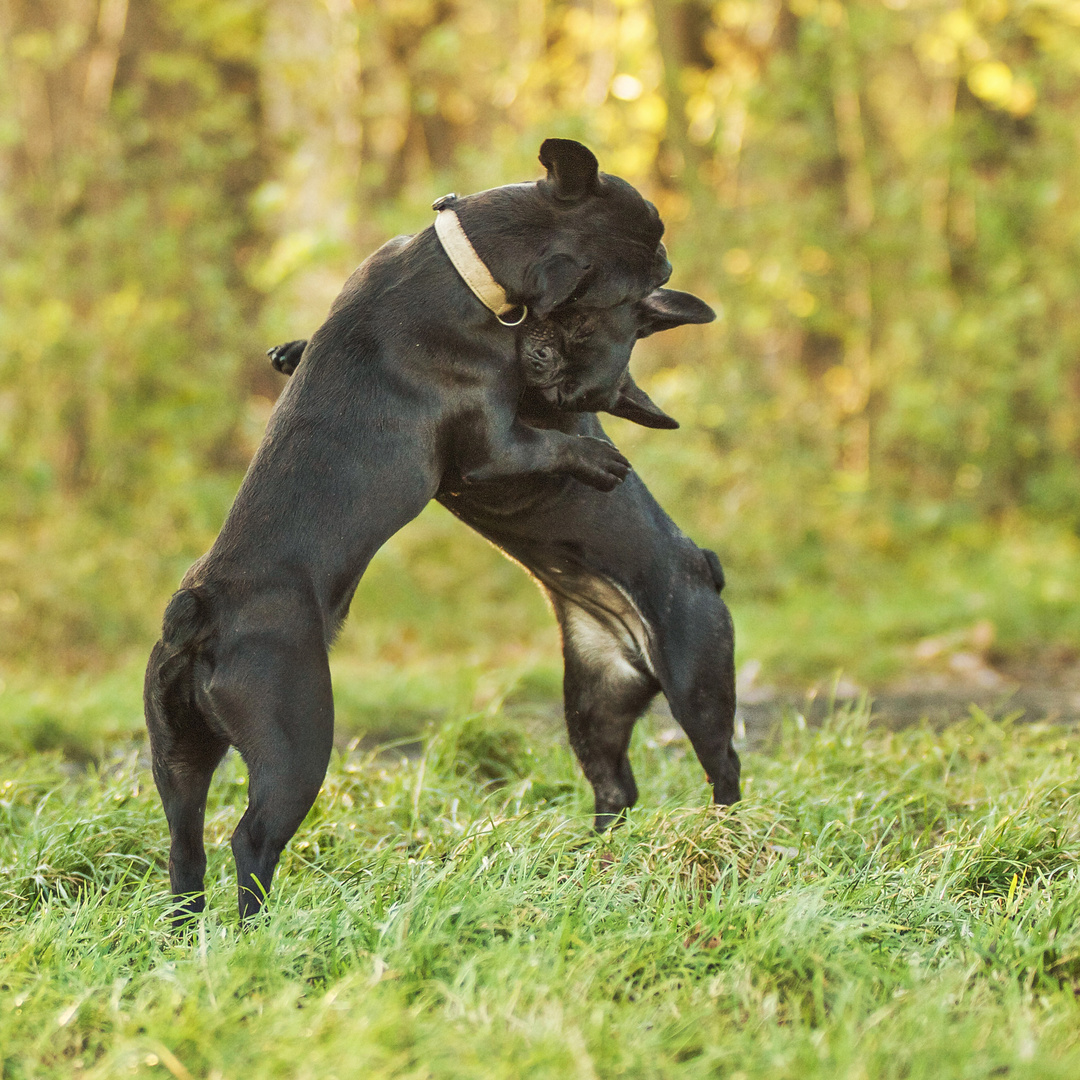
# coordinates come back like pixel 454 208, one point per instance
pixel 551 281
pixel 665 309
pixel 572 169
pixel 635 405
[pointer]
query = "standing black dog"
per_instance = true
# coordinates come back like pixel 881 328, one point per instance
pixel 639 608
pixel 409 380
pixel 638 602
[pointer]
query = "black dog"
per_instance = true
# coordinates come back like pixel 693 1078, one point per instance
pixel 408 381
pixel 638 603
pixel 639 608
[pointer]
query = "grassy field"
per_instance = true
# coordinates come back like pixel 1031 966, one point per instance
pixel 880 905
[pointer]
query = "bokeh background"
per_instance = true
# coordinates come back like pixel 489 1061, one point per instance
pixel 880 198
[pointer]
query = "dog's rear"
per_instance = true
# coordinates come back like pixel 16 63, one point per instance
pixel 184 629
pixel 168 691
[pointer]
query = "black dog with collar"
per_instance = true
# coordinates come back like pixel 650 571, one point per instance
pixel 408 381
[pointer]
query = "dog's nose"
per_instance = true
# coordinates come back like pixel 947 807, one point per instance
pixel 542 358
pixel 661 267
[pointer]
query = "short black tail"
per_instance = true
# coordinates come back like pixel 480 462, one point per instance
pixel 168 691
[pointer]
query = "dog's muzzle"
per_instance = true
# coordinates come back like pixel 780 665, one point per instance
pixel 470 266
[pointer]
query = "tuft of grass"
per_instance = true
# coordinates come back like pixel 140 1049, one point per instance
pixel 881 904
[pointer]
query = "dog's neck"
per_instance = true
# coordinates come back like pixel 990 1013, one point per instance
pixel 472 268
pixel 509 228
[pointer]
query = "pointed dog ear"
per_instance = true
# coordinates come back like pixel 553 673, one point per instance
pixel 635 405
pixel 664 309
pixel 572 169
pixel 551 281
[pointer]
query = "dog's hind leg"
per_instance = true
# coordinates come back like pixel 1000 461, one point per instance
pixel 274 699
pixel 694 657
pixel 183 781
pixel 606 687
pixel 185 752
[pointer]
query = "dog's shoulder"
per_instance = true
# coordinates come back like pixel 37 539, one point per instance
pixel 372 275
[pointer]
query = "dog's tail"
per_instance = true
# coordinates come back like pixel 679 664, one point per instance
pixel 169 688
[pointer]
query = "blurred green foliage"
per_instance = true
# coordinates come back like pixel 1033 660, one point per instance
pixel 880 434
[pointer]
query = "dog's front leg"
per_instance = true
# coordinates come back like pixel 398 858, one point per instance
pixel 520 450
pixel 495 445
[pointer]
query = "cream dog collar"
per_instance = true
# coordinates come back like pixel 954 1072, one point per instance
pixel 471 267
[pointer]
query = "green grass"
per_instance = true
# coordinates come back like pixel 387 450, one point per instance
pixel 880 905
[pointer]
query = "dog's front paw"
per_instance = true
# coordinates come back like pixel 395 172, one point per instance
pixel 285 358
pixel 598 463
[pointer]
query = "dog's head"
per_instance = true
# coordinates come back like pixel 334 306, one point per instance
pixel 578 236
pixel 583 251
pixel 578 358
pixel 606 246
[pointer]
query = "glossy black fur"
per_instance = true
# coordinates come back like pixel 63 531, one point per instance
pixel 409 380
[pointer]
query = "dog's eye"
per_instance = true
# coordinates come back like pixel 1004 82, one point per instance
pixel 581 328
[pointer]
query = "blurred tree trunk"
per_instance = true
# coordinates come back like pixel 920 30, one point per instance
pixel 437 111
pixel 312 64
pixel 854 390
pixel 61 59
pixel 935 188
pixel 681 26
